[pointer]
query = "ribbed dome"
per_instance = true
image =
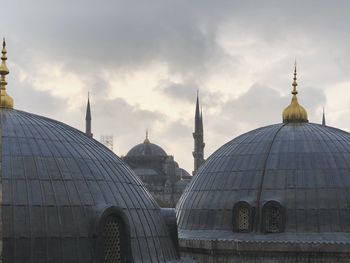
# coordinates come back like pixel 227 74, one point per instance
pixel 56 182
pixel 304 167
pixel 146 149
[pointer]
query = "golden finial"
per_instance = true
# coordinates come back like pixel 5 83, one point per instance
pixel 295 84
pixel 146 140
pixel 5 100
pixel 295 112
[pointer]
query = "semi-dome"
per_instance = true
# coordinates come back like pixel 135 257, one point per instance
pixel 67 198
pixel 146 149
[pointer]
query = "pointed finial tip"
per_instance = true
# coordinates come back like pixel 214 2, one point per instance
pixel 146 140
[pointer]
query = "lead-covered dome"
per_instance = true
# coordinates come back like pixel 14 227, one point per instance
pixel 302 167
pixel 67 198
pixel 146 149
pixel 277 193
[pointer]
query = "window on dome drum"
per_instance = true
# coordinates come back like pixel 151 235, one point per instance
pixel 113 237
pixel 272 217
pixel 242 215
pixel 243 218
pixel 112 240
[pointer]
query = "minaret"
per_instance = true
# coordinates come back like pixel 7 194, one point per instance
pixel 88 119
pixel 323 118
pixel 5 100
pixel 198 153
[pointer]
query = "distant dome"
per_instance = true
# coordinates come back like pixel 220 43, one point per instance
pixel 146 149
pixel 63 194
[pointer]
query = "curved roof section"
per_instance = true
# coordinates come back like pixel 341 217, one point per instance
pixel 146 149
pixel 304 166
pixel 55 181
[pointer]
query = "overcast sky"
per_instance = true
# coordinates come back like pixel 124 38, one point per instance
pixel 143 61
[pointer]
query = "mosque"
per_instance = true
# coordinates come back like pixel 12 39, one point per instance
pixel 279 193
pixel 159 172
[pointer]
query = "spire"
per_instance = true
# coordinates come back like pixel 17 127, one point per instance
pixel 88 118
pixel 295 84
pixel 197 115
pixel 5 100
pixel 294 112
pixel 323 118
pixel 146 139
pixel 198 153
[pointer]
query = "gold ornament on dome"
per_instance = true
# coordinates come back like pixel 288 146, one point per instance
pixel 5 100
pixel 294 112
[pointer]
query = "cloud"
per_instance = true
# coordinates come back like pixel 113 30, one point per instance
pixel 239 54
pixel 186 92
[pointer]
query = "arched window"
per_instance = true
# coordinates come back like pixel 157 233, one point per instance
pixel 113 237
pixel 242 217
pixel 112 243
pixel 273 221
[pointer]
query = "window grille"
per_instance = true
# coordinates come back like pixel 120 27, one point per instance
pixel 112 250
pixel 273 217
pixel 243 218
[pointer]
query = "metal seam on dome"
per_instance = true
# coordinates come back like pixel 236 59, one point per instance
pixel 46 122
pixel 189 188
pixel 258 212
pixel 327 134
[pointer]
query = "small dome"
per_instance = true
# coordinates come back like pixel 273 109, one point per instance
pixel 146 149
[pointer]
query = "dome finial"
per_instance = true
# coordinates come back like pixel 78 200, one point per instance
pixel 5 100
pixel 295 84
pixel 294 112
pixel 323 118
pixel 146 140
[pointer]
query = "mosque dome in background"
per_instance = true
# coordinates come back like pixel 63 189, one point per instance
pixel 67 198
pixel 146 149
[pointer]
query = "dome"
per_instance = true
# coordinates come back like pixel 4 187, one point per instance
pixel 303 168
pixel 63 195
pixel 146 149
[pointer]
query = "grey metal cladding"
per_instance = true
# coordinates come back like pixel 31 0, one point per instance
pixel 146 149
pixel 55 180
pixel 304 166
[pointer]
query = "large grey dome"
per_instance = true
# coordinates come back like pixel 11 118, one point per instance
pixel 301 168
pixel 59 189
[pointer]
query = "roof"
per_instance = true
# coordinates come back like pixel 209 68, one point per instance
pixel 146 149
pixel 304 166
pixel 55 183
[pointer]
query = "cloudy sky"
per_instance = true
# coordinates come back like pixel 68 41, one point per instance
pixel 143 61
